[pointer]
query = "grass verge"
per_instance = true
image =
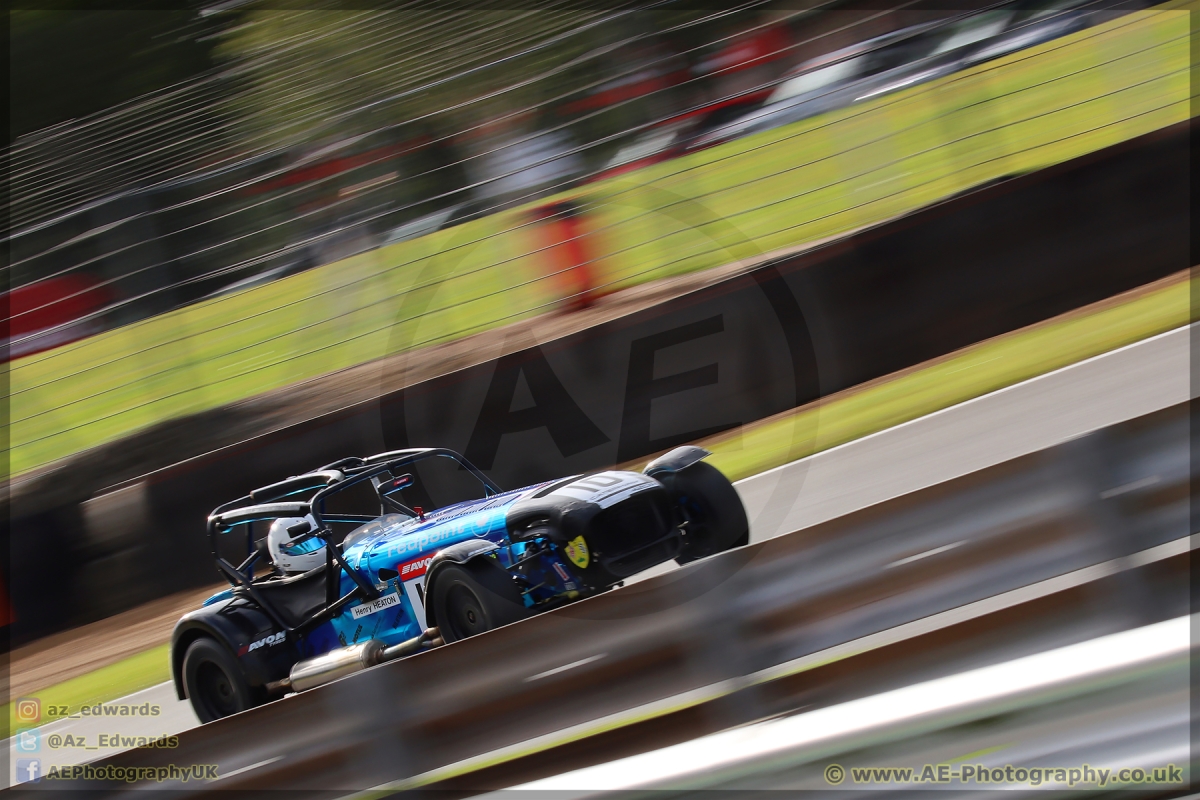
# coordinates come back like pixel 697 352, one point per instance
pixel 853 414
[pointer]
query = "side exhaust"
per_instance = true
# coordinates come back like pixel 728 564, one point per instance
pixel 348 660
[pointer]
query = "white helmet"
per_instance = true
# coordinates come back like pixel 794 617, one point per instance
pixel 291 555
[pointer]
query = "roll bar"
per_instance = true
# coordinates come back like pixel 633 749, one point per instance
pixel 323 482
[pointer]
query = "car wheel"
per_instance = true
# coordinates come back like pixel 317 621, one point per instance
pixel 717 519
pixel 214 682
pixel 468 599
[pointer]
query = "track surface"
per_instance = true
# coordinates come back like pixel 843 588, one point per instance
pixel 1030 416
pixel 1041 412
pixel 1038 413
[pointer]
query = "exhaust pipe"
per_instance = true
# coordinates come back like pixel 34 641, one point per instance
pixel 348 660
pixel 334 664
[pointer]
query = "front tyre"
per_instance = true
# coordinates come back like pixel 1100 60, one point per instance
pixel 214 683
pixel 471 598
pixel 716 518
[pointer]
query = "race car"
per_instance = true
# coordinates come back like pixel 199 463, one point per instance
pixel 366 560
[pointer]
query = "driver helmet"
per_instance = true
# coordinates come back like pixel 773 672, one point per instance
pixel 295 554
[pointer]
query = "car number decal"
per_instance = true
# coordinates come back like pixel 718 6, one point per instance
pixel 414 590
pixel 606 488
pixel 413 576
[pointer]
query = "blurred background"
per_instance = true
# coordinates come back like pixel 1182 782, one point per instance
pixel 243 241
pixel 163 159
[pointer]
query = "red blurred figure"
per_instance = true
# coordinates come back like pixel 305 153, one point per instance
pixel 747 60
pixel 563 241
pixel 53 312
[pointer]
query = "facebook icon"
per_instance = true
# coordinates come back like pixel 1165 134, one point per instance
pixel 29 769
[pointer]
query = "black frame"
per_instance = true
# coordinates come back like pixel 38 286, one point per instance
pixel 262 504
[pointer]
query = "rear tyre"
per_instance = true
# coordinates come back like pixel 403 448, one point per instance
pixel 716 518
pixel 214 683
pixel 468 599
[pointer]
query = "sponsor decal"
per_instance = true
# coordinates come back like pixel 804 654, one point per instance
pixel 577 551
pixel 562 571
pixel 366 609
pixel 442 534
pixel 267 641
pixel 414 568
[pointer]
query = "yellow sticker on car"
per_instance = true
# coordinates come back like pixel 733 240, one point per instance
pixel 577 551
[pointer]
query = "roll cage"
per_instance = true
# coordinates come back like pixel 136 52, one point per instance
pixel 265 504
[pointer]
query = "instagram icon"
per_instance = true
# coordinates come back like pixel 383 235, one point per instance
pixel 29 709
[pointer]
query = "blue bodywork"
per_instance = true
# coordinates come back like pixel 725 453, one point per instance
pixel 545 544
pixel 406 545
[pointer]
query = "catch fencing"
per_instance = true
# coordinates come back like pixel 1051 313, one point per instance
pixel 780 189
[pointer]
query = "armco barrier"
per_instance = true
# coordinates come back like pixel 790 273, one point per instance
pixel 801 183
pixel 1103 701
pixel 783 334
pixel 1085 538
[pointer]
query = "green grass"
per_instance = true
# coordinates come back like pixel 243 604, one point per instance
pixel 125 677
pixel 760 446
pixel 781 188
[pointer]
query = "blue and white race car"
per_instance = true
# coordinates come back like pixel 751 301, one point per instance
pixel 370 559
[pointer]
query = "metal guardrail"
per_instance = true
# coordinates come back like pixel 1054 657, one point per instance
pixel 1050 613
pixel 1083 539
pixel 1135 683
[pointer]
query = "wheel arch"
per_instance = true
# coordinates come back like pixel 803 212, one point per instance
pixel 236 626
pixel 457 553
pixel 192 627
pixel 701 488
pixel 675 460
